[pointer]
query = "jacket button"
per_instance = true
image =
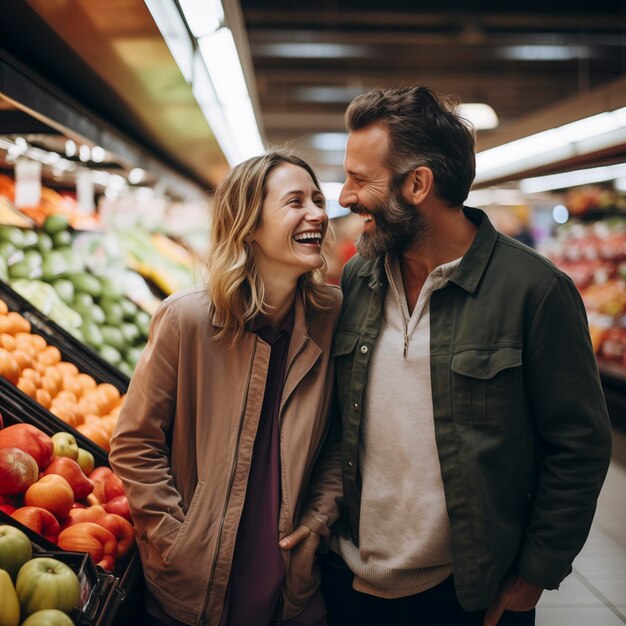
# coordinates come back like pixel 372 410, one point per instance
pixel 356 405
pixel 364 349
pixel 349 462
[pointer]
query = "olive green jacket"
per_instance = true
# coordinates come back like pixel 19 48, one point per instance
pixel 521 425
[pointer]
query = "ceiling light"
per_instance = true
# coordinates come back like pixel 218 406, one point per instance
pixel 203 16
pixel 293 50
pixel 572 179
pixel 84 153
pixel 544 53
pixel 70 148
pixel 550 146
pixel 172 27
pixel 97 154
pixel 480 115
pixel 136 175
pixel 222 62
pixel 329 141
pixel 560 214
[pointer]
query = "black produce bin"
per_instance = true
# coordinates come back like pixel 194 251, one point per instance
pixel 72 349
pixel 118 597
pixel 96 585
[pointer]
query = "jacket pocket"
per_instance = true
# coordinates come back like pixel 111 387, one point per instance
pixel 343 352
pixel 487 385
pixel 171 551
pixel 303 577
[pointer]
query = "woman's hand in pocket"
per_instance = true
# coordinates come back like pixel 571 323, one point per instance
pixel 297 536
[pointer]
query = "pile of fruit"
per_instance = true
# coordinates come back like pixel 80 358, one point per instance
pixel 51 486
pixel 43 267
pixel 34 591
pixel 36 368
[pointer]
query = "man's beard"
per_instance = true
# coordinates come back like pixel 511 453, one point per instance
pixel 398 226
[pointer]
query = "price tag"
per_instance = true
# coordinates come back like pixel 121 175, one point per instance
pixel 27 183
pixel 84 192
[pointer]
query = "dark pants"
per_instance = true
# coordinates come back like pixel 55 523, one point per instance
pixel 434 607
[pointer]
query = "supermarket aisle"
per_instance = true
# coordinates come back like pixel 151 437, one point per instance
pixel 595 593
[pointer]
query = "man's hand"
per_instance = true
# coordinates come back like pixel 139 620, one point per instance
pixel 292 540
pixel 516 594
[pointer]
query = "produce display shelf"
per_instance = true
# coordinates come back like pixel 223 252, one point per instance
pixel 71 348
pixel 117 593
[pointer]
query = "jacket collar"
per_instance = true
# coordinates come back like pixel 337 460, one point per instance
pixel 300 325
pixel 471 268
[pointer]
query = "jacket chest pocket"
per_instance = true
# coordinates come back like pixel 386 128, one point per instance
pixel 487 385
pixel 343 352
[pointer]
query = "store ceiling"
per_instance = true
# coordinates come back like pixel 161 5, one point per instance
pixel 517 56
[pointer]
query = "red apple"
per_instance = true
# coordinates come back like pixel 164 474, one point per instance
pixel 99 477
pixel 30 439
pixel 119 506
pixel 39 520
pixel 52 493
pixel 90 514
pixel 18 471
pixel 113 487
pixel 70 470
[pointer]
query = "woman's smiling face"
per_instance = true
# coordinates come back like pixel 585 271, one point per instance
pixel 288 239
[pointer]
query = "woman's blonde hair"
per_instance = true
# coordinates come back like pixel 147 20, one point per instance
pixel 233 280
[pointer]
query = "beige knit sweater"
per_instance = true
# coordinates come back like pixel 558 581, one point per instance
pixel 404 528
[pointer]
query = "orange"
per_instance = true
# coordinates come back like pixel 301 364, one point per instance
pixel 38 342
pixel 49 384
pixel 50 356
pixel 71 384
pixel 67 369
pixel 33 375
pixel 18 323
pixel 23 360
pixel 86 381
pixel 69 396
pixel 4 309
pixel 53 372
pixel 27 386
pixel 96 434
pixel 43 397
pixel 111 391
pixel 7 342
pixel 9 368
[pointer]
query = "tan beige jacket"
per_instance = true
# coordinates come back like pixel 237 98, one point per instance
pixel 184 442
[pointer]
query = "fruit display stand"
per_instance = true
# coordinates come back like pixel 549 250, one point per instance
pixel 591 249
pixel 107 598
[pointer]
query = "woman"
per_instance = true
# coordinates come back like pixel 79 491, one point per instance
pixel 227 410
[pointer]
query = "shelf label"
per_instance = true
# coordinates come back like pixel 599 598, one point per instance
pixel 27 183
pixel 84 192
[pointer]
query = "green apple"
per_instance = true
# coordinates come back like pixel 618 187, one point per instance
pixel 15 549
pixel 48 617
pixel 46 583
pixel 65 445
pixel 86 461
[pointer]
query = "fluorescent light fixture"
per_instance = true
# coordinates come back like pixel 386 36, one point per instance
pixel 243 126
pixel 220 56
pixel 487 197
pixel 174 31
pixel 481 115
pixel 576 138
pixel 544 53
pixel 572 179
pixel 329 141
pixel 293 50
pixel 560 214
pixel 337 95
pixel 203 16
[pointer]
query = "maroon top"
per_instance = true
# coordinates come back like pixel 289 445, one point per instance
pixel 258 569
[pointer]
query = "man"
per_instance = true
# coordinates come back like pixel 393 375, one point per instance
pixel 475 432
